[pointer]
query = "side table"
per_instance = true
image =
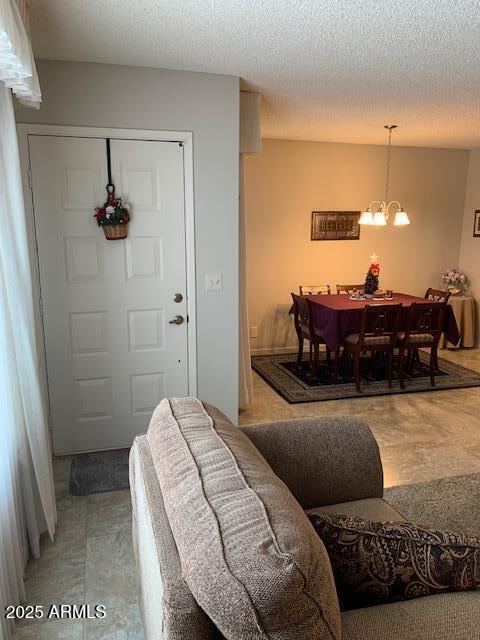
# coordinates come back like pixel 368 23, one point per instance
pixel 464 312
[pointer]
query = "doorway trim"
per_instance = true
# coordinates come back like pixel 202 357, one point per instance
pixel 184 137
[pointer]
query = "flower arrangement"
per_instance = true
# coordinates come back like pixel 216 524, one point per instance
pixel 114 216
pixel 455 280
pixel 113 212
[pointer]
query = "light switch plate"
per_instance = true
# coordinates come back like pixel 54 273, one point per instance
pixel 213 282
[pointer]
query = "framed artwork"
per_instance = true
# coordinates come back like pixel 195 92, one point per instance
pixel 476 224
pixel 336 225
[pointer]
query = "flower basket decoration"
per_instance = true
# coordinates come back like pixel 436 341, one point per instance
pixel 113 216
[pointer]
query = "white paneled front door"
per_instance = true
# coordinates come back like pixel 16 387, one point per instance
pixel 112 353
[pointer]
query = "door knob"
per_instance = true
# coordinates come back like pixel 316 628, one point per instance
pixel 176 320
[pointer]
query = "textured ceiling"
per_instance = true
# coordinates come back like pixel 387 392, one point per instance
pixel 335 70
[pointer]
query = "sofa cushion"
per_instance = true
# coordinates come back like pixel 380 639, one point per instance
pixel 379 562
pixel 448 616
pixel 372 508
pixel 168 608
pixel 248 552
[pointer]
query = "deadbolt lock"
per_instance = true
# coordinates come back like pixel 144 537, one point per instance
pixel 177 297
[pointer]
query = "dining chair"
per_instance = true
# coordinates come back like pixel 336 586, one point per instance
pixel 437 294
pixel 306 330
pixel 347 288
pixel 425 323
pixel 315 290
pixel 378 332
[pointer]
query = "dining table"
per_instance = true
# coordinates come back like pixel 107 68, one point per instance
pixel 336 316
pixel 463 307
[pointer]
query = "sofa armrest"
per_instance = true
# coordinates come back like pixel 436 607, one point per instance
pixel 324 460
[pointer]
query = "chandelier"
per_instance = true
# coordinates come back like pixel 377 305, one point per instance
pixel 380 216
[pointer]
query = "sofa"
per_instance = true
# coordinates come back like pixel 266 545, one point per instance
pixel 223 545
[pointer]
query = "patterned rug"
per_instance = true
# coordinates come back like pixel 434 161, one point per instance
pixel 295 386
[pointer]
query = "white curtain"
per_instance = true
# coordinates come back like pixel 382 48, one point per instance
pixel 27 501
pixel 17 66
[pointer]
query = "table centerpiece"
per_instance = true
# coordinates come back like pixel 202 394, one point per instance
pixel 371 280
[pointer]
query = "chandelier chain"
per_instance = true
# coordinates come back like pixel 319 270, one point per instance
pixel 390 127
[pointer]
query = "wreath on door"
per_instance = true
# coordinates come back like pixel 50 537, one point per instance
pixel 113 216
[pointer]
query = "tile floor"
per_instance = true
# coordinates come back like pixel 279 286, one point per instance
pixel 421 437
pixel 91 562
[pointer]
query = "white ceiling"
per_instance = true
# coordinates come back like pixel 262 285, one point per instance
pixel 334 70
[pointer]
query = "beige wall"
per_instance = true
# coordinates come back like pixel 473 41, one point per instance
pixel 289 179
pixel 470 248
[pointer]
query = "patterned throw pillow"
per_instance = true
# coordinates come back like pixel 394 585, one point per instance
pixel 378 562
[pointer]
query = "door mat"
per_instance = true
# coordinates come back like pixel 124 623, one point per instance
pixel 99 472
pixel 295 386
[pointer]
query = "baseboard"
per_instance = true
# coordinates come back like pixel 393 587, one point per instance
pixel 272 350
pixel 278 350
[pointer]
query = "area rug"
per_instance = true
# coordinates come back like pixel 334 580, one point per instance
pixel 451 503
pixel 99 472
pixel 295 386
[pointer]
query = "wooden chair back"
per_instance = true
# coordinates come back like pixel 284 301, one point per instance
pixel 425 318
pixel 314 290
pixel 302 315
pixel 380 321
pixel 347 288
pixel 437 294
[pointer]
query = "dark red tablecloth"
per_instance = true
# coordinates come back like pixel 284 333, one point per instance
pixel 337 316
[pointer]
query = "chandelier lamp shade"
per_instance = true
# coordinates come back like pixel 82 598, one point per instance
pixel 378 211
